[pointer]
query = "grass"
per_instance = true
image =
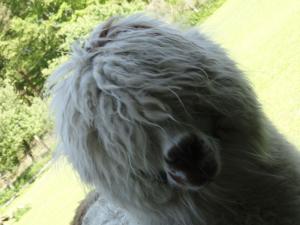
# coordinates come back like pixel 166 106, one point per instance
pixel 51 199
pixel 263 37
pixel 27 176
pixel 20 212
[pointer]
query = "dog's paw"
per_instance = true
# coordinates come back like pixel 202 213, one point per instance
pixel 191 163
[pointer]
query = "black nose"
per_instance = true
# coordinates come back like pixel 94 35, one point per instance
pixel 187 150
pixel 193 156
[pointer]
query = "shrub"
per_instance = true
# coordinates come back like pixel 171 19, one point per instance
pixel 19 123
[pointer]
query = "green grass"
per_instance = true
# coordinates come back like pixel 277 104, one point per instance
pixel 264 38
pixel 27 176
pixel 51 199
pixel 21 212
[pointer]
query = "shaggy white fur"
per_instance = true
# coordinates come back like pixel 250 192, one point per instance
pixel 102 212
pixel 166 127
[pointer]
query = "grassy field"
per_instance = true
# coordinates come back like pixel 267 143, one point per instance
pixel 51 199
pixel 263 37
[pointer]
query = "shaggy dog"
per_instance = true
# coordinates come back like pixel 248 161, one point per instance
pixel 163 124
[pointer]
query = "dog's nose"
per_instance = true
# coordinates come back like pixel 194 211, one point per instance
pixel 191 162
pixel 185 151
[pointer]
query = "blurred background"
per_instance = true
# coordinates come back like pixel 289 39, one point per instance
pixel 263 36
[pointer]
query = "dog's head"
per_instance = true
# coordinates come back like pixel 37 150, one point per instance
pixel 142 109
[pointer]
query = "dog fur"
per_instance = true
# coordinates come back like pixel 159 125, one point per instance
pixel 165 126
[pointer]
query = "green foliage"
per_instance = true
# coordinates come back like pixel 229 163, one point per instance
pixel 4 25
pixel 203 11
pixel 27 52
pixel 4 17
pixel 41 9
pixel 19 123
pixel 31 41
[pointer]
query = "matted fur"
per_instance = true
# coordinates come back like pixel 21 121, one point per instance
pixel 133 89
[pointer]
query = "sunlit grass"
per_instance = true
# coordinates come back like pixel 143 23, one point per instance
pixel 51 199
pixel 27 176
pixel 264 38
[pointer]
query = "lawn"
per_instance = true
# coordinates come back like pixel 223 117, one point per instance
pixel 51 199
pixel 263 37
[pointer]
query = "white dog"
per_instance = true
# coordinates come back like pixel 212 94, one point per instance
pixel 169 131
